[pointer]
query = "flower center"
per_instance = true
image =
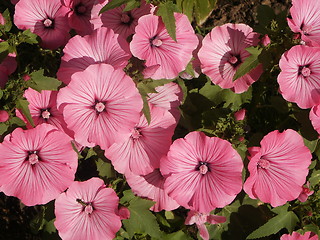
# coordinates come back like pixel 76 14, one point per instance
pixel 45 114
pixel 81 9
pixel 33 158
pixel 262 163
pixel 125 18
pixel 233 60
pixel 305 71
pixel 203 167
pixel 88 209
pixel 100 107
pixel 48 23
pixel 156 42
pixel 306 29
pixel 136 133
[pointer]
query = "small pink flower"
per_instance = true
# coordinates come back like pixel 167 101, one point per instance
pixel 43 109
pixel 37 164
pixel 200 219
pixel 4 116
pixel 122 22
pixel 102 46
pixel 87 210
pixel 26 77
pixel 99 104
pixel 224 50
pixel 299 79
pixel 152 187
pixel 278 168
pixel 152 43
pixel 2 20
pixel 305 20
pixel 265 40
pixel 298 236
pixel 46 18
pixel 202 173
pixel 305 193
pixel 123 213
pixel 240 115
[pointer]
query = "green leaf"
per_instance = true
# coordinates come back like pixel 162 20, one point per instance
pixel 105 169
pixel 186 7
pixel 203 9
pixel 310 144
pixel 113 4
pixel 146 108
pixel 286 220
pixel 249 63
pixel 131 5
pixel 22 105
pixel 29 37
pixel 49 227
pixel 90 153
pixel 7 20
pixel 141 219
pixel 40 82
pixel 4 50
pixel 183 88
pixel 180 235
pixel 1 93
pixel 169 215
pixel 3 128
pixel 315 178
pixel 166 12
pixel 17 121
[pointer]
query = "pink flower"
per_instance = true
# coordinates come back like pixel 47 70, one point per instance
pixel 46 18
pixel 169 97
pixel 43 109
pixel 140 150
pixel 200 219
pixel 305 193
pixel 2 20
pixel 152 187
pixel 152 43
pixel 278 168
pixel 306 20
pixel 4 116
pixel 224 50
pixel 298 236
pixel 299 79
pixel 315 117
pixel 123 213
pixel 240 115
pixel 121 22
pixel 37 164
pixel 265 40
pixel 99 104
pixel 79 15
pixel 203 173
pixel 7 67
pixel 87 210
pixel 102 46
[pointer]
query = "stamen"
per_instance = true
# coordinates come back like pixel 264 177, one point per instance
pixel 156 42
pixel 33 158
pixel 100 107
pixel 136 133
pixel 125 18
pixel 48 23
pixel 262 163
pixel 45 114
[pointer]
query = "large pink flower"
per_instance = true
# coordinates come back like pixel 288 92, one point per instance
pixel 306 20
pixel 203 173
pixel 299 79
pixel 46 18
pixel 100 103
pixel 298 236
pixel 278 168
pixel 43 109
pixel 224 50
pixel 123 23
pixel 102 46
pixel 152 43
pixel 79 15
pixel 152 187
pixel 87 210
pixel 37 164
pixel 140 150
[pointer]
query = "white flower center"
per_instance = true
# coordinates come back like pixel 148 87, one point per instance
pixel 262 163
pixel 33 158
pixel 45 114
pixel 88 209
pixel 305 71
pixel 203 169
pixel 156 42
pixel 47 23
pixel 100 107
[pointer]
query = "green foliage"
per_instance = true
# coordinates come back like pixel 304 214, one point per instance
pixel 28 37
pixel 166 12
pixel 131 4
pixel 22 105
pixel 4 50
pixel 284 219
pixel 112 4
pixel 40 82
pixel 203 9
pixel 249 63
pixel 141 219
